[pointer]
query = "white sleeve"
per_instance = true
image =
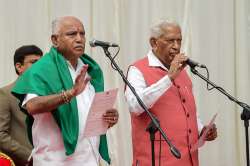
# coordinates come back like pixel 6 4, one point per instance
pixel 28 97
pixel 199 122
pixel 149 95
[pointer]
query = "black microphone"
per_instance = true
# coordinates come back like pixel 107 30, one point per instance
pixel 193 64
pixel 94 43
pixel 175 152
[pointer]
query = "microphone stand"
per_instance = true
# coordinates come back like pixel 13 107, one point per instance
pixel 154 125
pixel 245 115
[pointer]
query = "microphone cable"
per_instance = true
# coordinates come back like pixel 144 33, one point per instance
pixel 113 58
pixel 211 88
pixel 160 152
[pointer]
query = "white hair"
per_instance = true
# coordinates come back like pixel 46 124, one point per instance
pixel 158 28
pixel 56 23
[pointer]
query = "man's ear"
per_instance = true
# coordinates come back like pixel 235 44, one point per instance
pixel 54 40
pixel 153 42
pixel 19 68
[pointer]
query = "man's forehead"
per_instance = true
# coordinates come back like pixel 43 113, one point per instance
pixel 171 30
pixel 71 23
pixel 32 56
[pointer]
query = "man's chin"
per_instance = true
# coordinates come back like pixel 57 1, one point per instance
pixel 79 52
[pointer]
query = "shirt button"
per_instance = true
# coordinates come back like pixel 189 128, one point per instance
pixel 178 86
pixel 189 131
pixel 183 100
pixel 188 115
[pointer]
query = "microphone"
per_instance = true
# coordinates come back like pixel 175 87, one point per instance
pixel 175 152
pixel 94 43
pixel 193 64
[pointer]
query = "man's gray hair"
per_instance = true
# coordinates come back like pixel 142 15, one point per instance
pixel 158 29
pixel 56 23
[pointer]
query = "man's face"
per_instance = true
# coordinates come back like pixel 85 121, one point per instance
pixel 27 62
pixel 167 45
pixel 70 40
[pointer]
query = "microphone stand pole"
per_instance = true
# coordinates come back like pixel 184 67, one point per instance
pixel 245 115
pixel 154 125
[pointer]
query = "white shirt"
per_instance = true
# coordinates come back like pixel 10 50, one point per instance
pixel 150 94
pixel 48 143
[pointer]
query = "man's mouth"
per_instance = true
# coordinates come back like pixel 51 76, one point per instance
pixel 79 48
pixel 173 54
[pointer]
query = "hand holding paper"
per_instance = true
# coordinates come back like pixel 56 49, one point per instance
pixel 111 117
pixel 209 133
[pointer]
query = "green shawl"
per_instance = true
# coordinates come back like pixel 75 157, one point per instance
pixel 50 75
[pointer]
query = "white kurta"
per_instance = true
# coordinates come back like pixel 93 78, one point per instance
pixel 47 139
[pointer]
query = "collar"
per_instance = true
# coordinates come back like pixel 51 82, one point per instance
pixel 154 61
pixel 78 67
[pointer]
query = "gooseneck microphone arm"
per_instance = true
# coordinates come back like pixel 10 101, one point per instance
pixel 154 122
pixel 193 64
pixel 245 115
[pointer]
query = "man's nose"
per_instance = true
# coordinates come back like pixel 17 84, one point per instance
pixel 176 44
pixel 79 37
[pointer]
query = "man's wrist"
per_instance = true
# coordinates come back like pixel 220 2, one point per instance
pixel 171 77
pixel 71 93
pixel 67 95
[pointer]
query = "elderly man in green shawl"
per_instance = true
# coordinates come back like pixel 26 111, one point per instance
pixel 57 93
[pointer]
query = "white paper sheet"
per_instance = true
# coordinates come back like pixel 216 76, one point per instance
pixel 95 124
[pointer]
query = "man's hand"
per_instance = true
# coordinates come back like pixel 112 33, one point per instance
pixel 80 82
pixel 211 134
pixel 111 117
pixel 177 65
